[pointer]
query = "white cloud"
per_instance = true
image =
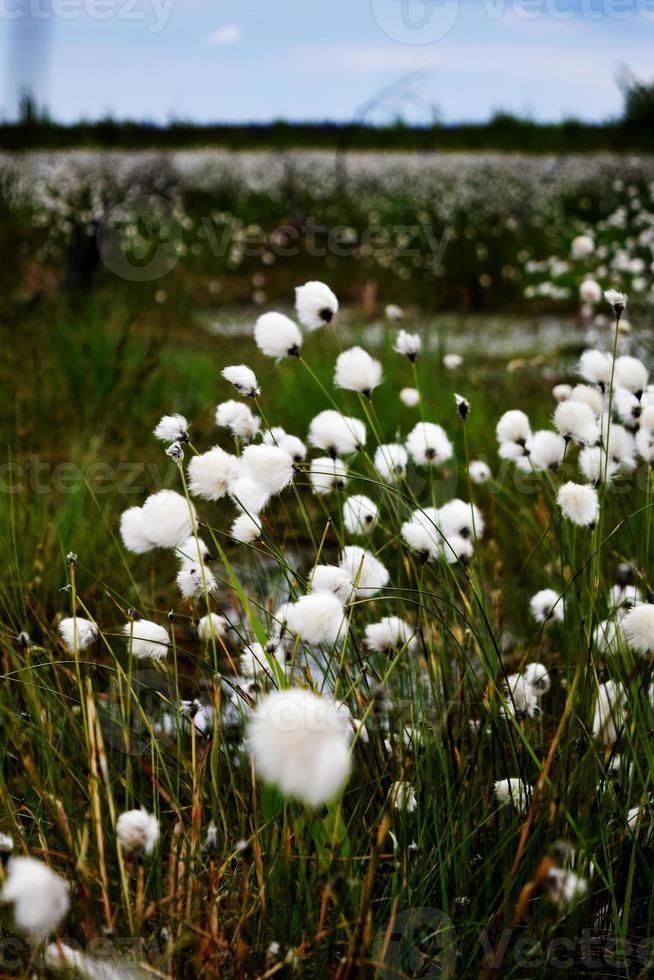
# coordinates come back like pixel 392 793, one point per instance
pixel 225 35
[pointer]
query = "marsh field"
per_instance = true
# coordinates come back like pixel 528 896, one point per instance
pixel 358 694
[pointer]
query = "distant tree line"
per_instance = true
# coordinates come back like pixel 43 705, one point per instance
pixel 503 132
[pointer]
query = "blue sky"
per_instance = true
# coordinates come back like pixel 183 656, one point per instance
pixel 234 60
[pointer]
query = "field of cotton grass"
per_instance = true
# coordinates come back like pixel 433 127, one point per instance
pixel 326 649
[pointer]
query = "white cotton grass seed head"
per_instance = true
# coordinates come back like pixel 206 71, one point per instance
pixel 452 361
pixel 195 580
pixel 645 445
pixel 331 579
pixel 316 618
pixel 315 305
pixel 582 246
pixel 546 450
pixel 391 461
pixel 192 551
pixel 513 427
pixel 408 344
pixel 239 419
pixel 212 625
pixel 457 518
pixel 359 514
pixel 246 529
pixel 424 540
pixel 547 605
pixel 300 745
pixel 595 367
pixel 282 440
pixel 172 428
pixel 336 434
pixel 390 634
pixel 243 378
pixel 403 797
pixel 269 466
pixel 277 336
pixel 147 640
pixel 579 503
pixel 211 474
pixel 577 422
pixel 594 467
pixel 368 574
pixel 456 549
pixel 40 897
pixel 513 792
pixel 249 495
pixel 410 397
pixel 631 373
pixel 356 370
pixel 590 396
pixel 617 300
pixel 590 291
pixel 394 313
pixel 538 676
pixel 462 406
pixel 137 832
pixel 254 661
pixel 561 392
pixel 521 699
pixel 168 519
pixel 78 633
pixel 327 474
pixel 479 471
pixel 132 531
pixel 608 716
pixel 563 887
pixel 638 628
pixel 428 444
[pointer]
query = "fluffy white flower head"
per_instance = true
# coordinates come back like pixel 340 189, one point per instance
pixel 40 897
pixel 337 434
pixel 211 474
pixel 389 634
pixel 277 335
pixel 78 633
pixel 238 418
pixel 547 604
pixel 579 503
pixel 359 514
pixel 356 370
pixel 638 628
pixel 513 792
pixel 172 428
pixel 300 744
pixel 577 422
pixel 428 444
pixel 315 305
pixel 408 344
pixel 391 461
pixel 137 832
pixel 332 579
pixel 269 466
pixel 132 531
pixel 167 519
pixel 367 572
pixel 147 640
pixel 327 474
pixel 316 618
pixel 243 378
pixel 410 397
